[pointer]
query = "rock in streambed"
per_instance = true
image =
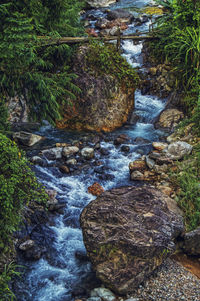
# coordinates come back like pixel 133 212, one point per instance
pixel 128 232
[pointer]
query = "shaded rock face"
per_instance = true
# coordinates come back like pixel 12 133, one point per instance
pixel 128 232
pixel 17 109
pixel 191 244
pixel 103 104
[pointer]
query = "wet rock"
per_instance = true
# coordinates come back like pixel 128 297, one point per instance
pixel 72 162
pixel 99 3
pixel 51 194
pixel 81 255
pixel 191 244
pixel 128 232
pixel 141 140
pixel 125 148
pixel 159 145
pixel 87 153
pixel 120 14
pixel 150 162
pixel 104 151
pixel 56 207
pixel 103 293
pixel 121 139
pixel 53 153
pixel 94 299
pixel 170 118
pixel 139 165
pixel 95 189
pixel 137 176
pixel 30 250
pixel 178 150
pixel 34 253
pixel 102 23
pixel 27 245
pixel 97 146
pixel 160 158
pixel 134 118
pixel 38 161
pixel 63 144
pixel 165 189
pixel 64 169
pixel 26 138
pixel 69 151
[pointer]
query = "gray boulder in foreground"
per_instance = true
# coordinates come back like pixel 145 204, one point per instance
pixel 128 232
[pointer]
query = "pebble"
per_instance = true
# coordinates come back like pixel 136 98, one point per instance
pixel 171 282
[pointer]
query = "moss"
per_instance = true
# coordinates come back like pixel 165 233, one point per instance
pixel 153 10
pixel 104 59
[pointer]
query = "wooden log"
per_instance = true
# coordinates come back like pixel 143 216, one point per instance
pixel 74 40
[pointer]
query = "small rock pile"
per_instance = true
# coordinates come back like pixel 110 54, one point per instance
pixel 154 167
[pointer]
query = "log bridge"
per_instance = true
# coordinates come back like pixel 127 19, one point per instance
pixel 74 40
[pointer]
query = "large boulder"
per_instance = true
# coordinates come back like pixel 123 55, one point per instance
pixel 191 244
pixel 128 232
pixel 104 103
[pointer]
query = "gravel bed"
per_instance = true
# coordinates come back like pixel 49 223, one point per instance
pixel 171 282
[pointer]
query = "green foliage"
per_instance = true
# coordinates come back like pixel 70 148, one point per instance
pixel 4 124
pixel 187 179
pixel 106 60
pixel 179 44
pixel 27 67
pixel 180 40
pixel 18 186
pixel 5 277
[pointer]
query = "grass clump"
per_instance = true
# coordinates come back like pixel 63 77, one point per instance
pixel 8 272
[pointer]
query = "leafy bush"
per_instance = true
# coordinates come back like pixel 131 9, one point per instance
pixel 106 60
pixel 187 180
pixel 18 186
pixel 28 67
pixel 179 44
pixel 4 124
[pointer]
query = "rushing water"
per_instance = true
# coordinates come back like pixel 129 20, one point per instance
pixel 54 278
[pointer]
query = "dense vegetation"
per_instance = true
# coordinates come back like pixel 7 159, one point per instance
pixel 27 67
pixel 18 187
pixel 179 45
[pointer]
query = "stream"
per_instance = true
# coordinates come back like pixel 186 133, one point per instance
pixel 55 277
